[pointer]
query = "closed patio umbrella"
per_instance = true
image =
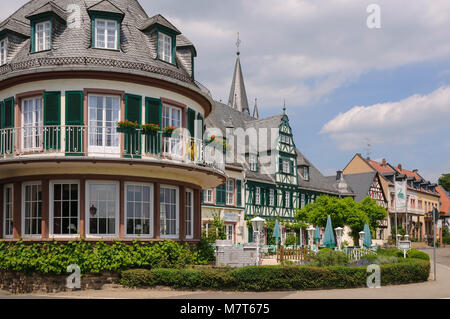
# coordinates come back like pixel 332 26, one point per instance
pixel 317 235
pixel 276 232
pixel 367 242
pixel 328 238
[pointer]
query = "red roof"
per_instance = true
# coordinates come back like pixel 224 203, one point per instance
pixel 445 201
pixel 380 167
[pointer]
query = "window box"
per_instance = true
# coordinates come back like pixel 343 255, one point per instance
pixel 150 129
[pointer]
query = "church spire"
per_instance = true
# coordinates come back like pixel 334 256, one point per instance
pixel 238 95
pixel 255 110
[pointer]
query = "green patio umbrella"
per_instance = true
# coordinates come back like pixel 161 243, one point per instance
pixel 276 232
pixel 328 238
pixel 367 242
pixel 317 235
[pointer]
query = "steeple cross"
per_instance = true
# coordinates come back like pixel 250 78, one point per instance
pixel 238 44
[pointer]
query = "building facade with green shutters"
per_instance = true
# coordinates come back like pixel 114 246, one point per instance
pixel 75 88
pixel 275 177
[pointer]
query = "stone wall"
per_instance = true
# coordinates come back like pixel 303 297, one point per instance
pixel 20 283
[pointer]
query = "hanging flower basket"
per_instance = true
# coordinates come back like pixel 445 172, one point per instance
pixel 127 126
pixel 150 129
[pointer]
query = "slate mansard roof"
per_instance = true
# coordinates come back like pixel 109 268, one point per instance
pixel 71 46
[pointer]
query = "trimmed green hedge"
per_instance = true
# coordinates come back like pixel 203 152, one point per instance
pixel 264 278
pixel 54 257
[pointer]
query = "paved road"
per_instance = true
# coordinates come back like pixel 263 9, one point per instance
pixel 431 289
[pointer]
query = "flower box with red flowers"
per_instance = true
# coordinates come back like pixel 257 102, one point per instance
pixel 127 126
pixel 150 129
pixel 168 131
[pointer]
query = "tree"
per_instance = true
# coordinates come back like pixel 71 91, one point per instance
pixel 375 212
pixel 343 212
pixel 444 181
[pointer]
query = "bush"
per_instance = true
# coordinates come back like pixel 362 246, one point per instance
pixel 382 260
pixel 54 257
pixel 414 253
pixel 327 257
pixel 137 278
pixel 264 278
pixel 291 240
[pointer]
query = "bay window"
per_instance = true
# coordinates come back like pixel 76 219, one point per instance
pixel 106 34
pixel 64 208
pixel 139 210
pixel 3 51
pixel 230 192
pixel 189 214
pixel 165 47
pixel 102 211
pixel 169 221
pixel 42 36
pixel 7 212
pixel 32 209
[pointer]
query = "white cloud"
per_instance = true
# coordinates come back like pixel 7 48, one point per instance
pixel 392 122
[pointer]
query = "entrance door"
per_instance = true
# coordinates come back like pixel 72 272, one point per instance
pixel 104 113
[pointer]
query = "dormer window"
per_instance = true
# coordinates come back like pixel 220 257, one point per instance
pixel 253 161
pixel 305 172
pixel 106 34
pixel 42 36
pixel 165 47
pixel 3 52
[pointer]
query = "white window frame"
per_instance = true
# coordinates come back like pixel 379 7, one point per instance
pixel 305 172
pixel 287 199
pixel 3 51
pixel 103 150
pixel 271 197
pixel 172 145
pixel 46 38
pixel 52 211
pixel 253 161
pixel 258 195
pixel 229 192
pixel 191 192
pixel 87 207
pixel 37 125
pixel 162 54
pixel 286 168
pixel 38 183
pixel 8 186
pixel 177 212
pixel 152 205
pixel 106 21
pixel 209 196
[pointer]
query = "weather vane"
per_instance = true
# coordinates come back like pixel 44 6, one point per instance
pixel 238 44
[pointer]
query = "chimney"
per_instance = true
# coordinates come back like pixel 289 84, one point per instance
pixel 338 175
pixel 383 162
pixel 400 167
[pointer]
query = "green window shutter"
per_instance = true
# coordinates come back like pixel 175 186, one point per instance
pixel 133 111
pixel 7 122
pixel 191 122
pixel 52 120
pixel 239 192
pixel 153 116
pixel 221 194
pixel 2 112
pixel 280 164
pixel 291 166
pixel 74 123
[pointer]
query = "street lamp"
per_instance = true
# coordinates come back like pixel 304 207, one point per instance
pixel 361 237
pixel 311 236
pixel 258 227
pixel 339 232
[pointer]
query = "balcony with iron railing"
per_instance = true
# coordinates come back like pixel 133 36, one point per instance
pixel 106 143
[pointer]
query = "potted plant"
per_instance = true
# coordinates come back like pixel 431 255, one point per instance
pixel 127 126
pixel 168 130
pixel 150 129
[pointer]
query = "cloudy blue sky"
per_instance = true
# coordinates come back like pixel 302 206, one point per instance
pixel 345 85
